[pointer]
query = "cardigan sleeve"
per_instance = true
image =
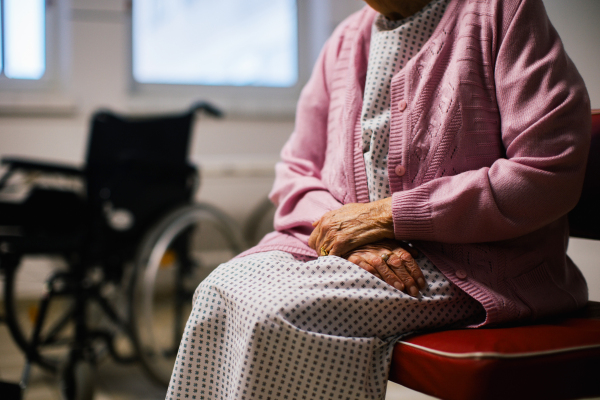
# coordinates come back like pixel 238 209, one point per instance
pixel 545 127
pixel 299 192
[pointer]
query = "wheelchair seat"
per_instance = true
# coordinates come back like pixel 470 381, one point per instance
pixel 47 221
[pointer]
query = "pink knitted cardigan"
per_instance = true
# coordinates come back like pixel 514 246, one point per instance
pixel 490 125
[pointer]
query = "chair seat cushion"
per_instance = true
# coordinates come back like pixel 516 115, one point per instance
pixel 553 360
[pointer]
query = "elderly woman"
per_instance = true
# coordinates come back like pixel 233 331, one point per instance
pixel 438 147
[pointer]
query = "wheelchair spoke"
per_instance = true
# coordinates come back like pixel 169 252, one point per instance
pixel 30 344
pixel 58 327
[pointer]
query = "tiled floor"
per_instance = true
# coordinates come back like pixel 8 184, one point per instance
pixel 113 381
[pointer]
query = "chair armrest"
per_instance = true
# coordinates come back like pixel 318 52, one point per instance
pixel 33 165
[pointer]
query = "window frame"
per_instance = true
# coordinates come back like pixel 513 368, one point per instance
pixel 238 100
pixel 49 80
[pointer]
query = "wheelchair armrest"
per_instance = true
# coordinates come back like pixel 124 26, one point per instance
pixel 33 165
pixel 207 108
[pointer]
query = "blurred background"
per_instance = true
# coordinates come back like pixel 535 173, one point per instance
pixel 62 60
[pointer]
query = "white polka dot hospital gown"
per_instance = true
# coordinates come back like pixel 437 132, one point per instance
pixel 277 326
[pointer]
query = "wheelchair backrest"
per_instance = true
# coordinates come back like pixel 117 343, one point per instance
pixel 136 171
pixel 117 139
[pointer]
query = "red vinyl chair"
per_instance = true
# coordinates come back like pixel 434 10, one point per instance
pixel 553 359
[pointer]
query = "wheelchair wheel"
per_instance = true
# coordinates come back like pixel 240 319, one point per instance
pixel 173 258
pixel 44 321
pixel 41 324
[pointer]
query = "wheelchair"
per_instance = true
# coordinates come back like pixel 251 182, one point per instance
pixel 130 246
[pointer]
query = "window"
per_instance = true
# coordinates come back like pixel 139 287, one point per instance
pixel 207 42
pixel 248 57
pixel 34 57
pixel 22 39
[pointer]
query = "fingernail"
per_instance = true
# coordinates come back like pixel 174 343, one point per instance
pixel 398 286
pixel 422 283
pixel 413 291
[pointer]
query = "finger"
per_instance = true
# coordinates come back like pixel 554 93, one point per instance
pixel 354 258
pixel 388 274
pixel 323 236
pixel 358 260
pixel 349 236
pixel 338 242
pixel 398 266
pixel 414 269
pixel 312 239
pixel 338 246
pixel 341 242
pixel 326 244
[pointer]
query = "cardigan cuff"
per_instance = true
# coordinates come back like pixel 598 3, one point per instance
pixel 411 211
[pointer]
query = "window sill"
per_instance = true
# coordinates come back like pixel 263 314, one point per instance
pixel 28 104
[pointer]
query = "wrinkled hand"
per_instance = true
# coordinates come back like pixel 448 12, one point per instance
pixel 400 270
pixel 340 231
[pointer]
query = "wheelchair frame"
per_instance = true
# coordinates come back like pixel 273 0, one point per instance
pixel 93 265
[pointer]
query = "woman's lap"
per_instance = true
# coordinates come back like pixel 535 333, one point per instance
pixel 270 326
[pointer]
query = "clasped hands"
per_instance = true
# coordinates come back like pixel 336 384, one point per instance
pixel 364 235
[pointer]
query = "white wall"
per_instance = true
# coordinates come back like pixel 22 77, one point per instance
pixel 245 146
pixel 577 24
pixel 237 153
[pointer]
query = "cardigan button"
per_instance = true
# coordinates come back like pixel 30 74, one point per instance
pixel 402 105
pixel 400 170
pixel 461 274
